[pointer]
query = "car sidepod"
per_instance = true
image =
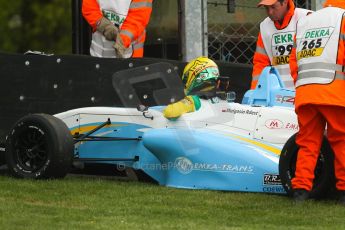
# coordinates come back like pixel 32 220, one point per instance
pixel 198 159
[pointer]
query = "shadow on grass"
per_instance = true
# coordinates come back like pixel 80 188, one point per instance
pixel 103 171
pixel 3 170
pixel 110 171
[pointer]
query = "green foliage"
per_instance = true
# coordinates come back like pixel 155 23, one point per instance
pixel 43 25
pixel 92 203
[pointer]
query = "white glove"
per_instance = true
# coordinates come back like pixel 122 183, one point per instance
pixel 107 28
pixel 120 50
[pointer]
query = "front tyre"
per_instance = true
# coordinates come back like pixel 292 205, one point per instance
pixel 2 154
pixel 324 181
pixel 39 146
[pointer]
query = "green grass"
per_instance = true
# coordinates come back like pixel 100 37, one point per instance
pixel 91 203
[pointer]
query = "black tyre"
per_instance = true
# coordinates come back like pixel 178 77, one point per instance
pixel 2 154
pixel 39 146
pixel 324 181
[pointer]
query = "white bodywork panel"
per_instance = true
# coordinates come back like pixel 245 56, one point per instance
pixel 270 124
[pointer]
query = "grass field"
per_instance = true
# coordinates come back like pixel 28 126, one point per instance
pixel 93 203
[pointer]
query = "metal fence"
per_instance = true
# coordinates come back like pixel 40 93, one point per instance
pixel 232 36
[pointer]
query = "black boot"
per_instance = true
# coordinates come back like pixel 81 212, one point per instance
pixel 341 197
pixel 300 195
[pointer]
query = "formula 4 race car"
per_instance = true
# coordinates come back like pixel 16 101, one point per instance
pixel 223 146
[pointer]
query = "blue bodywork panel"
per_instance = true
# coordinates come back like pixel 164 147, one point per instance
pixel 200 160
pixel 270 91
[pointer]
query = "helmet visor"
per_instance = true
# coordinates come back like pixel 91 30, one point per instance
pixel 204 81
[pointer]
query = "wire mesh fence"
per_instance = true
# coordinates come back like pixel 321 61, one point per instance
pixel 232 36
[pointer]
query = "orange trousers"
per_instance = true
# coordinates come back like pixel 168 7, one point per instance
pixel 312 120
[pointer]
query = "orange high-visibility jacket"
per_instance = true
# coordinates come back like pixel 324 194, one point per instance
pixel 261 57
pixel 132 30
pixel 325 94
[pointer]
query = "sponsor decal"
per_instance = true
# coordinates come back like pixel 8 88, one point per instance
pixel 273 189
pixel 183 165
pixel 186 166
pixel 292 126
pixel 285 99
pixel 314 42
pixel 274 124
pixel 272 179
pixel 282 44
pixel 114 17
pixel 281 60
pixel 240 111
pixel 283 38
pixel 277 124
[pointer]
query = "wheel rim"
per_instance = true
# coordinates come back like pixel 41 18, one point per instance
pixel 30 149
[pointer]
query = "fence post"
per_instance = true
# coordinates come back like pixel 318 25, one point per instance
pixel 318 4
pixel 194 29
pixel 81 32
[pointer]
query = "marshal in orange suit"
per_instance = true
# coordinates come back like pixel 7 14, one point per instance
pixel 317 64
pixel 118 26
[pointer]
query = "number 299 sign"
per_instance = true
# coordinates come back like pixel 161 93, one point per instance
pixel 281 47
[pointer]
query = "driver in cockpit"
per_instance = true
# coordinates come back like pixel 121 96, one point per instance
pixel 199 78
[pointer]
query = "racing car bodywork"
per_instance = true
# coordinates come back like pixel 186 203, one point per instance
pixel 222 146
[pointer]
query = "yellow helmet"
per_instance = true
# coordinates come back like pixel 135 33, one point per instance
pixel 200 74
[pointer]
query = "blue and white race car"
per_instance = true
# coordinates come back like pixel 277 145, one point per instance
pixel 223 146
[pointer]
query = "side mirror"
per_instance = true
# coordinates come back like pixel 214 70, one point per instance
pixel 142 108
